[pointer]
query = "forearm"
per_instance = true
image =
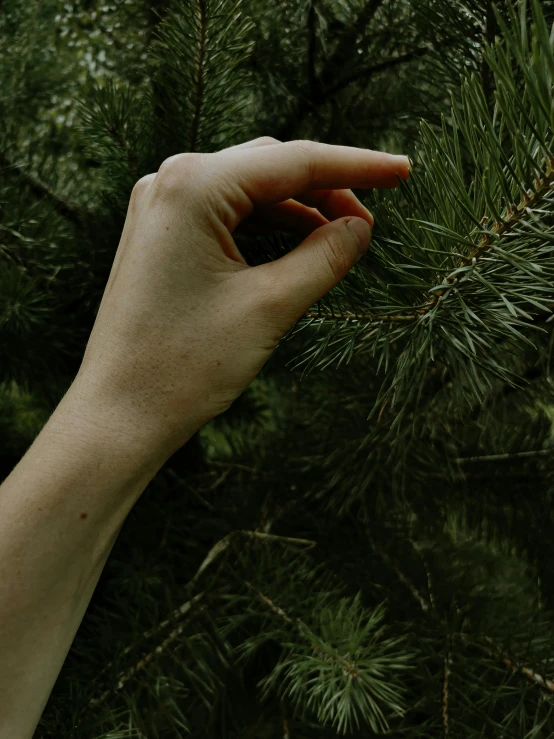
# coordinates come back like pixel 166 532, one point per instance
pixel 60 512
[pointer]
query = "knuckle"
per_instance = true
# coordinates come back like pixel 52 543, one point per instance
pixel 266 140
pixel 304 144
pixel 335 255
pixel 306 149
pixel 141 186
pixel 176 171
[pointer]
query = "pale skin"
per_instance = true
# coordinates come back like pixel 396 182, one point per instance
pixel 183 327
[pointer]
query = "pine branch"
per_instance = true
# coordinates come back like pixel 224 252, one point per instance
pixel 515 215
pixel 69 210
pixel 183 610
pixel 495 651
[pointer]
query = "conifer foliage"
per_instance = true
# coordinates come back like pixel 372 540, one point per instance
pixel 360 545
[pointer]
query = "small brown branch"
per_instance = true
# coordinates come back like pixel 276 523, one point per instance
pixel 505 457
pixel 69 210
pixel 513 217
pixel 423 602
pixel 300 628
pixel 185 608
pixel 214 554
pixel 528 672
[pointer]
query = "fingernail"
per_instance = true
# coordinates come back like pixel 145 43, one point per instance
pixel 402 158
pixel 362 231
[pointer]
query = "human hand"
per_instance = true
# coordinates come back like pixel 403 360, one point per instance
pixel 185 324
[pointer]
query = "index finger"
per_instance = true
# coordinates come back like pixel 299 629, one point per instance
pixel 270 174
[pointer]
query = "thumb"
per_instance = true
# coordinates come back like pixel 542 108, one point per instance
pixel 305 274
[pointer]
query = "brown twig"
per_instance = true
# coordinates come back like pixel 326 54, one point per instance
pixel 527 671
pixel 299 627
pixel 423 602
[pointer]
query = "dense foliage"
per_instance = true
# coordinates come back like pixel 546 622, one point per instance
pixel 361 543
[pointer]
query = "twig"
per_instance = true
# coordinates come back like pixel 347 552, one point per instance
pixel 423 602
pixel 504 457
pixel 299 627
pixel 528 672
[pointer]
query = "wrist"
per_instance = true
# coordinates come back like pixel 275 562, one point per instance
pixel 95 416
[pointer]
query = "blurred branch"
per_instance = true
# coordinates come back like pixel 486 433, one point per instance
pixel 316 95
pixel 343 51
pixel 373 69
pixel 504 457
pixel 312 39
pixel 65 208
pixel 487 76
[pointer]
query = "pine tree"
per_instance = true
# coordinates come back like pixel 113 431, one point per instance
pixel 360 545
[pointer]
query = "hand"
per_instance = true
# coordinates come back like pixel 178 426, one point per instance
pixel 185 324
